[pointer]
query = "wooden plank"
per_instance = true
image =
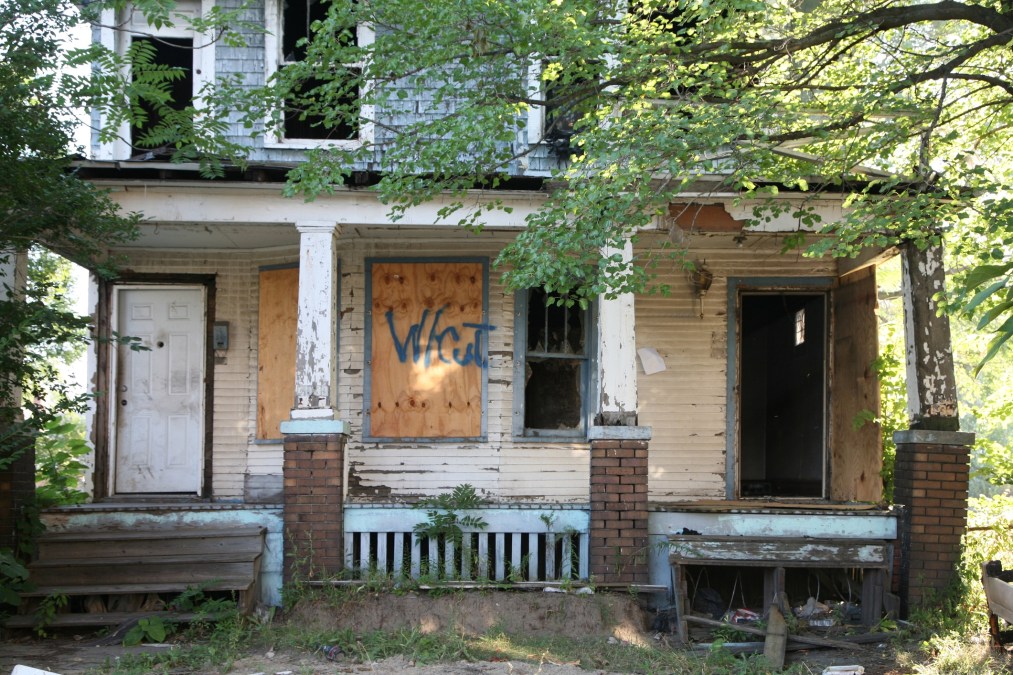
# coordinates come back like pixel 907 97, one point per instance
pixel 806 639
pixel 163 547
pixel 773 551
pixel 118 563
pixel 500 556
pixel 111 535
pixel 416 563
pixel 427 355
pixel 550 555
pixel 856 454
pixel 760 505
pixel 185 573
pixel 277 317
pixel 398 553
pixel 777 638
pixel 220 584
pixel 872 596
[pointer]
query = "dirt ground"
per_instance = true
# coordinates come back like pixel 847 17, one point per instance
pixel 604 616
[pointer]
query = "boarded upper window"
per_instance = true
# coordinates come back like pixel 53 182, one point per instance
pixel 427 349
pixel 277 319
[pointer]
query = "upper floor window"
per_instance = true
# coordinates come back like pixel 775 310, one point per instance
pixel 174 44
pixel 304 126
pixel 552 378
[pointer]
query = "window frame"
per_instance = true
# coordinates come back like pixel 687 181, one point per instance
pixel 121 26
pixel 588 375
pixel 274 60
pixel 737 288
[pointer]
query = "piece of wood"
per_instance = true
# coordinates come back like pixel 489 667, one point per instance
pixel 760 505
pixel 778 551
pixel 428 351
pixel 856 453
pixel 220 584
pixel 277 318
pixel 777 638
pixel 806 639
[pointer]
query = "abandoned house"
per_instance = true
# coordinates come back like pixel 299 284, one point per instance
pixel 314 369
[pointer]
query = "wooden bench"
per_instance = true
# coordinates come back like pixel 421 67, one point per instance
pixel 104 563
pixel 774 555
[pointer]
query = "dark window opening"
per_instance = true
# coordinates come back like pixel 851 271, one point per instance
pixel 782 395
pixel 298 17
pixel 175 53
pixel 309 125
pixel 555 366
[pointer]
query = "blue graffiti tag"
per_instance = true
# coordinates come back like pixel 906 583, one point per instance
pixel 473 353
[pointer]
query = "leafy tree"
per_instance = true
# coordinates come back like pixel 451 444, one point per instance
pixel 42 203
pixel 901 106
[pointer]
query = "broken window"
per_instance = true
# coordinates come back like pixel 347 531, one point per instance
pixel 300 120
pixel 553 363
pixel 782 394
pixel 174 53
pixel 169 63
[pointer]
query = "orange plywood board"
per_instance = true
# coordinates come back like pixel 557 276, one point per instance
pixel 427 352
pixel 278 315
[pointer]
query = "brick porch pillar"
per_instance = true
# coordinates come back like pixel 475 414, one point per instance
pixel 931 479
pixel 314 475
pixel 618 537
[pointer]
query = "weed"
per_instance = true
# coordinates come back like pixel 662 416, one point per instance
pixel 148 629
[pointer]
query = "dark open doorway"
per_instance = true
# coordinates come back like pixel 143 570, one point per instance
pixel 782 394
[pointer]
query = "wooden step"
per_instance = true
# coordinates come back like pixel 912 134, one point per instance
pixel 185 571
pixel 149 543
pixel 167 561
pixel 103 619
pixel 230 584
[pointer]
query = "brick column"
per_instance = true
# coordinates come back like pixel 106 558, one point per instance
pixel 618 537
pixel 931 479
pixel 313 496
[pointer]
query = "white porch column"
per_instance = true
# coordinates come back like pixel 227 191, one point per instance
pixel 617 354
pixel 931 383
pixel 316 351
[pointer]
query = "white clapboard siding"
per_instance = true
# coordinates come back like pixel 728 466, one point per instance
pixel 686 404
pixel 516 545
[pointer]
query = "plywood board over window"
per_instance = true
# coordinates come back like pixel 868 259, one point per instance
pixel 278 315
pixel 428 349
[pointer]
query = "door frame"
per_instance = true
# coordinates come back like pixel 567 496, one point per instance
pixel 737 286
pixel 104 429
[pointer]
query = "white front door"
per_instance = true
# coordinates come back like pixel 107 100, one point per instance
pixel 159 390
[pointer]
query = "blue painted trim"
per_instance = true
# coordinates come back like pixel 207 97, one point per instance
pixel 761 285
pixel 308 427
pixel 367 393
